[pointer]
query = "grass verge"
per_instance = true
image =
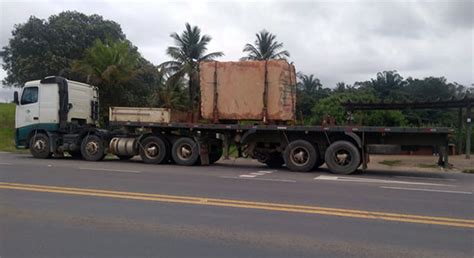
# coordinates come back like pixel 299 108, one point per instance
pixel 7 127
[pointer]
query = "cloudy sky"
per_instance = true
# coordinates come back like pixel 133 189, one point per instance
pixel 335 40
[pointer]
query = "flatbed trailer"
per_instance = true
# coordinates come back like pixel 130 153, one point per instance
pixel 343 148
pixel 56 116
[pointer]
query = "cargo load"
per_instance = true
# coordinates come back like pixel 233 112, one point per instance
pixel 248 90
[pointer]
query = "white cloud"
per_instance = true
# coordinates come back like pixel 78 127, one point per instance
pixel 336 41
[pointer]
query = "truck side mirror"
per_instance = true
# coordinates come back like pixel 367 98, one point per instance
pixel 15 98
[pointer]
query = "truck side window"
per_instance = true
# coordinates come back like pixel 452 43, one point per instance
pixel 30 95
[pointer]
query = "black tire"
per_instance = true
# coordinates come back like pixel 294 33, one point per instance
pixel 40 146
pixel 275 161
pixel 185 152
pixel 92 148
pixel 300 155
pixel 342 157
pixel 75 154
pixel 154 150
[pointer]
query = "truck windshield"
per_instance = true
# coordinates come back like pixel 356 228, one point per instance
pixel 30 95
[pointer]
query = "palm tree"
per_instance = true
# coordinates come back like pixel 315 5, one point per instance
pixel 309 84
pixel 110 65
pixel 190 49
pixel 388 84
pixel 265 47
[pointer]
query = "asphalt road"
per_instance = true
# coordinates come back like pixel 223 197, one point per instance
pixel 64 207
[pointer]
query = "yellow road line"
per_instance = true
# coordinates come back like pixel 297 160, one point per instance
pixel 455 222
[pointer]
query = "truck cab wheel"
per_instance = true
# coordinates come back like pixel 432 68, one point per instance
pixel 92 148
pixel 300 155
pixel 40 146
pixel 342 157
pixel 153 150
pixel 185 152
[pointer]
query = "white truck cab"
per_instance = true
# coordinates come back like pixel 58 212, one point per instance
pixel 51 105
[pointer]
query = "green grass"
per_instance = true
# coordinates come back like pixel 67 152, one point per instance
pixel 7 127
pixel 469 171
pixel 391 163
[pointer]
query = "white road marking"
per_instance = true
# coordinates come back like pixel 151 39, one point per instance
pixel 260 179
pixel 110 170
pixel 247 175
pixel 425 190
pixel 1 163
pixel 266 171
pixel 371 180
pixel 429 178
pixel 255 174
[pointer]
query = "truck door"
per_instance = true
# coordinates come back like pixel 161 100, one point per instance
pixel 27 112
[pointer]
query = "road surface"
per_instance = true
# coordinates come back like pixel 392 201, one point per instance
pixel 64 207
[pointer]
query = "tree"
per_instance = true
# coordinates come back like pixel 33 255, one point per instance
pixel 110 66
pixel 171 92
pixel 190 49
pixel 265 47
pixel 331 106
pixel 388 85
pixel 309 91
pixel 40 47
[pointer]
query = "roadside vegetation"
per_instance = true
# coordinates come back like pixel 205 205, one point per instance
pixel 7 127
pixel 102 55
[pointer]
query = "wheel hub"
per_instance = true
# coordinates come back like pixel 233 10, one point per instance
pixel 342 158
pixel 185 152
pixel 300 156
pixel 152 151
pixel 40 145
pixel 92 147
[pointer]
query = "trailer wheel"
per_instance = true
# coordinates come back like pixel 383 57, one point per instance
pixel 39 146
pixel 342 157
pixel 275 161
pixel 300 155
pixel 185 152
pixel 92 148
pixel 153 150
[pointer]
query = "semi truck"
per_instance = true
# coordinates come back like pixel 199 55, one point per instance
pixel 55 115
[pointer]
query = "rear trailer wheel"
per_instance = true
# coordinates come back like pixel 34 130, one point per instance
pixel 185 152
pixel 92 148
pixel 275 161
pixel 40 146
pixel 342 157
pixel 153 150
pixel 300 155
